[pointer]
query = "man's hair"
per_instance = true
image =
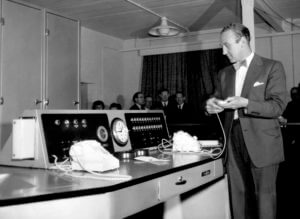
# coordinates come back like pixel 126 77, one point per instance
pixel 136 95
pixel 180 92
pixel 96 103
pixel 115 105
pixel 239 30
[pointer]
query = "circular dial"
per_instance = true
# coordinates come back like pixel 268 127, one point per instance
pixel 119 131
pixel 102 134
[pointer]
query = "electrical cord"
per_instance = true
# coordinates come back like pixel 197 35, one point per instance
pixel 215 153
pixel 67 170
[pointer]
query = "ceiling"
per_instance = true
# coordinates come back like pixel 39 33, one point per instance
pixel 124 20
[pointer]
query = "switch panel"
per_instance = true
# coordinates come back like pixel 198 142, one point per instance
pixel 57 130
pixel 146 129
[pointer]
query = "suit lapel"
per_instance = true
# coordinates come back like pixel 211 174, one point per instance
pixel 253 72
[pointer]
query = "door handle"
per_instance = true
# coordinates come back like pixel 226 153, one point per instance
pixel 180 181
pixel 37 101
pixel 46 102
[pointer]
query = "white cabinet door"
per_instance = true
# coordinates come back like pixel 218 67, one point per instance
pixel 62 74
pixel 21 63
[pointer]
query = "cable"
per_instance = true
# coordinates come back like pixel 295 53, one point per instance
pixel 215 153
pixel 224 136
pixel 67 170
pixel 106 175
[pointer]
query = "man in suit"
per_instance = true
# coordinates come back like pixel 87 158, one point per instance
pixel 148 102
pixel 138 100
pixel 252 94
pixel 164 102
pixel 181 111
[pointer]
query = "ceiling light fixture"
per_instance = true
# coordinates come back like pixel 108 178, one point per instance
pixel 164 29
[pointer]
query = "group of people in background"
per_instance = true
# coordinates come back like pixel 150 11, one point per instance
pixel 99 105
pixel 175 107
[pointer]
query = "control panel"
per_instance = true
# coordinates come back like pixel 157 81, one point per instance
pixel 146 129
pixel 63 130
pixel 53 132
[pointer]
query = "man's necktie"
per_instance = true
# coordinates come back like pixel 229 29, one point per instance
pixel 237 65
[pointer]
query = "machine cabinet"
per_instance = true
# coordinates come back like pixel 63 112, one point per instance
pixel 39 65
pixel 62 74
pixel 21 63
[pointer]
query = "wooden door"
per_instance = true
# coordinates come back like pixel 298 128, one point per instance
pixel 62 74
pixel 21 63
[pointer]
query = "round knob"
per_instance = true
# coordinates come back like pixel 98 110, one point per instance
pixel 1 100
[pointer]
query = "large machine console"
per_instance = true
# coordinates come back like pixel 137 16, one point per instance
pixel 42 136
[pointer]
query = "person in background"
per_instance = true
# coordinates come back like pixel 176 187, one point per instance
pixel 148 102
pixel 181 111
pixel 115 106
pixel 164 103
pixel 291 113
pixel 252 95
pixel 138 100
pixel 98 105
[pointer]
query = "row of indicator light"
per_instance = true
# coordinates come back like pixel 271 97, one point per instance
pixel 147 127
pixel 145 119
pixel 67 123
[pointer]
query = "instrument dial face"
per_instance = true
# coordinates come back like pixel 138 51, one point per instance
pixel 102 134
pixel 119 131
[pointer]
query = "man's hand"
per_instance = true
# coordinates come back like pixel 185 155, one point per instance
pixel 212 106
pixel 234 102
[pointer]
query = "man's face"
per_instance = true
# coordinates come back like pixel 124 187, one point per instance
pixel 294 94
pixel 164 96
pixel 231 46
pixel 148 102
pixel 140 99
pixel 179 98
pixel 99 107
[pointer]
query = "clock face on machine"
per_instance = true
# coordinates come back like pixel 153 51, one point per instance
pixel 119 131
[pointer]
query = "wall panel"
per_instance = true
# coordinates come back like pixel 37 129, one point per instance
pixel 296 58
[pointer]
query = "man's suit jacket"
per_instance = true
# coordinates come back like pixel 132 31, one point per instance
pixel 167 109
pixel 265 88
pixel 136 107
pixel 184 115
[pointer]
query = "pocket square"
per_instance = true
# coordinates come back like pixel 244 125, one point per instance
pixel 257 83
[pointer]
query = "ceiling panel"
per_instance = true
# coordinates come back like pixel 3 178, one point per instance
pixel 124 20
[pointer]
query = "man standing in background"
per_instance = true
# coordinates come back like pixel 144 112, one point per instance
pixel 138 100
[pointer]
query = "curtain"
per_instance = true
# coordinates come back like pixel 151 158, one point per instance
pixel 194 73
pixel 164 71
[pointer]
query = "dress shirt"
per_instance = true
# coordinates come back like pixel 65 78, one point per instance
pixel 180 106
pixel 240 78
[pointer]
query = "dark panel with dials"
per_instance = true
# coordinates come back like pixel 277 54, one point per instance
pixel 63 130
